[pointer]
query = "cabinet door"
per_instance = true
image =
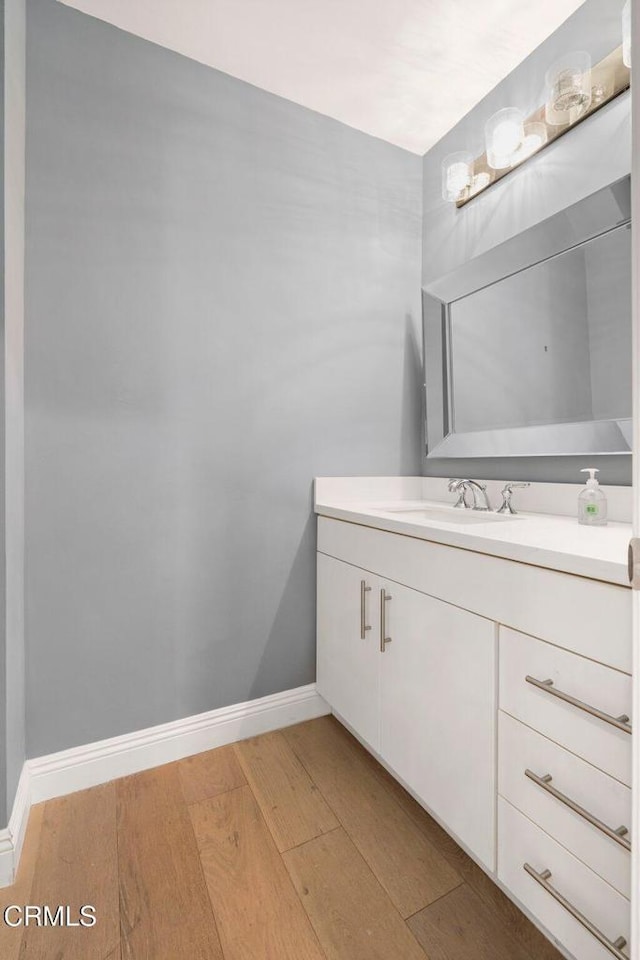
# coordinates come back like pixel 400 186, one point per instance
pixel 438 712
pixel 348 664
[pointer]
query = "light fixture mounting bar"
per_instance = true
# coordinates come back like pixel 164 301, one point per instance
pixel 609 78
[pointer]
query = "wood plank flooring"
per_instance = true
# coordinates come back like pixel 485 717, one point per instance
pixel 258 912
pixel 295 845
pixel 460 926
pixel 291 803
pixel 20 892
pixel 77 860
pixel 165 911
pixel 400 855
pixel 349 910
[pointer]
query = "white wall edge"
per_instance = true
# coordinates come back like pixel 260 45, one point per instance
pixel 12 837
pixel 20 814
pixel 59 774
pixel 7 860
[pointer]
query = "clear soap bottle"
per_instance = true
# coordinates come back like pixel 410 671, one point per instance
pixel 592 503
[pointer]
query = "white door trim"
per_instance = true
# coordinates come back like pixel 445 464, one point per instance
pixel 635 226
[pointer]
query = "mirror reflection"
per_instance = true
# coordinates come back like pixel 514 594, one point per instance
pixel 551 344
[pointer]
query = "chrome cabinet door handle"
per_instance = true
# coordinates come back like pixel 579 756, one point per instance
pixel 618 835
pixel 364 590
pixel 384 639
pixel 614 947
pixel 621 723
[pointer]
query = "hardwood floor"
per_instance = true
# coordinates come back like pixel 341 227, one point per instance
pixel 396 849
pixel 165 911
pixel 256 906
pixel 463 926
pixel 290 801
pixel 20 892
pixel 77 860
pixel 352 915
pixel 295 845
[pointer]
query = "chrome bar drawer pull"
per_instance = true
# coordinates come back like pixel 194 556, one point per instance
pixel 618 835
pixel 364 589
pixel 613 946
pixel 384 639
pixel 621 723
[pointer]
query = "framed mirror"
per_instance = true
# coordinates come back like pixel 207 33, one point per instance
pixel 528 347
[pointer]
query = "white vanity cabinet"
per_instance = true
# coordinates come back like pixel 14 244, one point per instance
pixel 415 678
pixel 493 666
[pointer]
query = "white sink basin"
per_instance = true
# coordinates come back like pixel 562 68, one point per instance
pixel 450 515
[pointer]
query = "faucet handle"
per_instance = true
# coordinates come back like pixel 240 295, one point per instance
pixel 507 493
pixel 460 487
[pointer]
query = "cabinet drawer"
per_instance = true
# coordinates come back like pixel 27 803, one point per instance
pixel 520 749
pixel 564 609
pixel 597 741
pixel 520 842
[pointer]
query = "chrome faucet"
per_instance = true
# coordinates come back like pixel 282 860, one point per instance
pixel 478 491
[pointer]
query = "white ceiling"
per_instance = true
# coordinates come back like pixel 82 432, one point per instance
pixel 403 70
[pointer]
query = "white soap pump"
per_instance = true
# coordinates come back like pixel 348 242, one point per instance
pixel 592 503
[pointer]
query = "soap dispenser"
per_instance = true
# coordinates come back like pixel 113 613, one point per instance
pixel 592 503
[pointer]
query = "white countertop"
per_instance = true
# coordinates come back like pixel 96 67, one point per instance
pixel 555 542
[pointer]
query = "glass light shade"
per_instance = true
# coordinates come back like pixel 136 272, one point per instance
pixel 480 181
pixel 504 134
pixel 602 88
pixel 568 87
pixel 535 136
pixel 457 174
pixel 626 33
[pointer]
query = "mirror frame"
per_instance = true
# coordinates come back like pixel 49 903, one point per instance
pixel 564 231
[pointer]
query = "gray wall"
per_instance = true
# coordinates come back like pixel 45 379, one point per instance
pixel 222 302
pixel 593 155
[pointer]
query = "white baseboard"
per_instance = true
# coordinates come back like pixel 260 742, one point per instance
pixel 12 838
pixel 80 767
pixel 66 772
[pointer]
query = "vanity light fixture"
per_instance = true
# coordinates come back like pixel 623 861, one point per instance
pixel 626 34
pixel 575 90
pixel 457 174
pixel 504 136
